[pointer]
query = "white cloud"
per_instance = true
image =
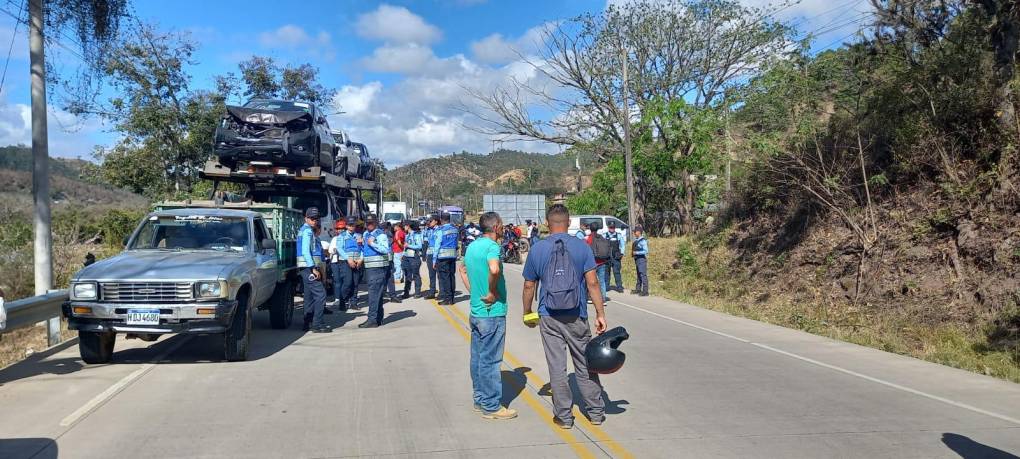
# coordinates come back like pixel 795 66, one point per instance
pixel 416 60
pixel 496 49
pixel 356 100
pixel 69 135
pixel 396 24
pixel 291 36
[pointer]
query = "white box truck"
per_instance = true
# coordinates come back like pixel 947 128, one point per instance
pixel 394 211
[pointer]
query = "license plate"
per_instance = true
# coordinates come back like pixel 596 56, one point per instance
pixel 143 317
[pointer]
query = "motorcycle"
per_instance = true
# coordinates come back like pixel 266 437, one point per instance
pixel 511 252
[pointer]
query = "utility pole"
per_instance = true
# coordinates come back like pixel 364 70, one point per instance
pixel 627 153
pixel 41 163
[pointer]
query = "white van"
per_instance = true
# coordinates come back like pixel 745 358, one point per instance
pixel 600 221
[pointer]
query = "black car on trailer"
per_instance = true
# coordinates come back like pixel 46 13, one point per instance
pixel 283 133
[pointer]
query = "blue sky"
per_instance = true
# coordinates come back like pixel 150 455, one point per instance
pixel 398 66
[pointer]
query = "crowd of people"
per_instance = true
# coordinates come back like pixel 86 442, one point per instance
pixel 564 273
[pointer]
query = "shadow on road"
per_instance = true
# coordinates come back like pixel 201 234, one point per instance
pixel 513 384
pixel 399 315
pixel 35 448
pixel 970 449
pixel 612 406
pixel 36 364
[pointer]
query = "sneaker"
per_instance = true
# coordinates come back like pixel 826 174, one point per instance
pixel 368 325
pixel 332 303
pixel 503 414
pixel 323 329
pixel 643 294
pixel 568 424
pixel 597 421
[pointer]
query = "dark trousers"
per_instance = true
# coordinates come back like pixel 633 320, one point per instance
pixel 412 273
pixel 314 297
pixel 343 279
pixel 432 275
pixel 356 276
pixel 391 288
pixel 376 279
pixel 641 264
pixel 614 265
pixel 445 271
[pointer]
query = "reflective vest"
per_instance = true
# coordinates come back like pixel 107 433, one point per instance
pixel 413 244
pixel 351 248
pixel 309 248
pixel 374 256
pixel 428 233
pixel 446 239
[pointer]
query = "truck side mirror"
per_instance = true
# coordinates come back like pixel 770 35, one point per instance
pixel 268 244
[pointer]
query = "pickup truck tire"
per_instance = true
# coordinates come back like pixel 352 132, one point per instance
pixel 281 306
pixel 237 338
pixel 96 347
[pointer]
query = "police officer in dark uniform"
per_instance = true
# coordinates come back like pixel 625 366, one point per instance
pixel 376 258
pixel 309 260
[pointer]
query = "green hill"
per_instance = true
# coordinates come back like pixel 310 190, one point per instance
pixel 462 178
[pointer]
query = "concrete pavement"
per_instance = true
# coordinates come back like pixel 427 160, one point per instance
pixel 696 384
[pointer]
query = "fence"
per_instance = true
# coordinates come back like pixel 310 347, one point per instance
pixel 516 208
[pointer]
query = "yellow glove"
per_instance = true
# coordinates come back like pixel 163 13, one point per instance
pixel 531 319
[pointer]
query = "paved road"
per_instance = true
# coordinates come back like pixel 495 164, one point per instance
pixel 696 384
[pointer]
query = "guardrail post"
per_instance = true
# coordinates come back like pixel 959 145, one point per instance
pixel 53 328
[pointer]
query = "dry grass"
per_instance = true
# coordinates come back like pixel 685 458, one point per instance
pixel 682 270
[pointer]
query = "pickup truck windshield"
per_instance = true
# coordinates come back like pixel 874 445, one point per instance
pixel 193 232
pixel 393 216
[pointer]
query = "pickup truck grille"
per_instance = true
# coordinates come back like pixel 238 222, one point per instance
pixel 131 292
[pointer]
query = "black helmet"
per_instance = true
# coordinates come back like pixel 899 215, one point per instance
pixel 602 353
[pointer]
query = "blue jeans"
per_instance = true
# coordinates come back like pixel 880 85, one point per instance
pixel 603 274
pixel 398 272
pixel 488 334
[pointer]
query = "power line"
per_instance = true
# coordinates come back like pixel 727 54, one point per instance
pixel 10 48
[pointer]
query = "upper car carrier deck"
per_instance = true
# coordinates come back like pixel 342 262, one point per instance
pixel 269 177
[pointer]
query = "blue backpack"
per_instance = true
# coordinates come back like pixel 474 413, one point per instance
pixel 561 291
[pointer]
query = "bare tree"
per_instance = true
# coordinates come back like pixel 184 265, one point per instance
pixel 694 50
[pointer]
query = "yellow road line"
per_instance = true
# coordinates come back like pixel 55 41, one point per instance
pixel 596 431
pixel 529 399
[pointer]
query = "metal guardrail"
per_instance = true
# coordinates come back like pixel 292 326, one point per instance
pixel 27 312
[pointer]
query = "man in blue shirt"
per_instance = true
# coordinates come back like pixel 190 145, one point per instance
pixel 428 235
pixel 413 244
pixel 444 258
pixel 309 258
pixel 564 329
pixel 376 257
pixel 640 252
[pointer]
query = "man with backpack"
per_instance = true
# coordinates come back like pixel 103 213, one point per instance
pixel 565 266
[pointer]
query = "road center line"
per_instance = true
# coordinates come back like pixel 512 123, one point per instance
pixel 118 386
pixel 833 367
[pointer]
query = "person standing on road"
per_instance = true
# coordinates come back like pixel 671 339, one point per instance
pixel 444 258
pixel 308 260
pixel 640 252
pixel 430 249
pixel 412 261
pixel 355 246
pixel 563 314
pixel 376 256
pixel 338 263
pixel 616 258
pixel 398 251
pixel 391 284
pixel 595 241
pixel 482 274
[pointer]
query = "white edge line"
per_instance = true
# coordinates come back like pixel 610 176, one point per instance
pixel 98 400
pixel 834 367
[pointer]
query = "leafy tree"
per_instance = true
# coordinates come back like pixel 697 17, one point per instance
pixel 262 77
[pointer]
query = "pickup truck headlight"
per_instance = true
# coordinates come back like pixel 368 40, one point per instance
pixel 83 291
pixel 209 289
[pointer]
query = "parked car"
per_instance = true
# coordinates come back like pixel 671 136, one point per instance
pixel 600 221
pixel 348 159
pixel 190 270
pixel 367 166
pixel 284 133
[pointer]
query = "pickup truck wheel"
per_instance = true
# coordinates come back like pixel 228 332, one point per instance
pixel 237 338
pixel 281 306
pixel 96 347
